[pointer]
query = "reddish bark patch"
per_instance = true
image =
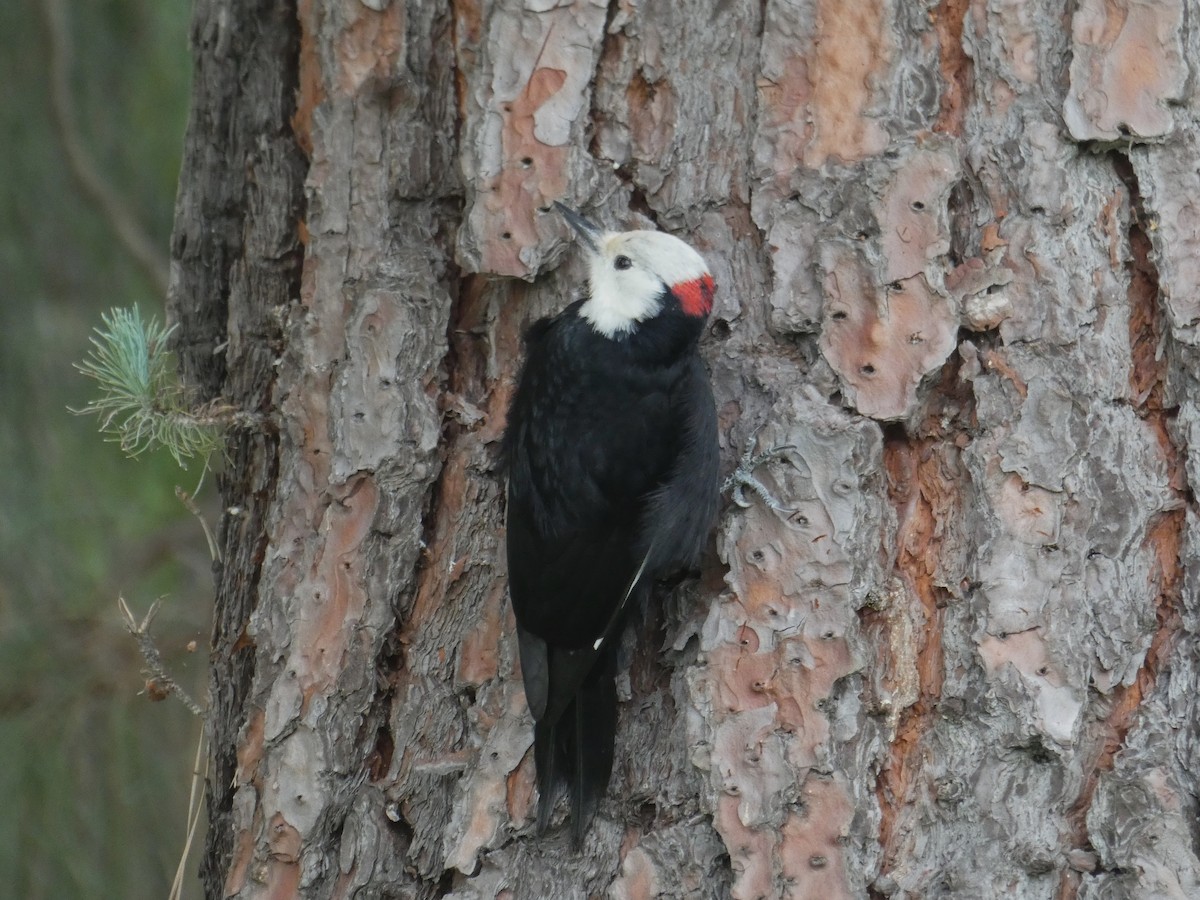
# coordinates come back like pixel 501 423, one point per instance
pixel 811 851
pixel 371 46
pixel 283 867
pixel 923 494
pixel 958 71
pixel 1126 68
pixel 436 577
pixel 339 593
pixel 881 347
pixel 851 56
pixel 1165 535
pixel 468 32
pixel 653 110
pixel 912 225
pixel 532 174
pixel 479 655
pixel 250 747
pixel 242 856
pixel 783 105
pixel 505 350
pixel 310 90
pixel 639 878
pixel 821 82
pixel 1145 326
pixel 996 361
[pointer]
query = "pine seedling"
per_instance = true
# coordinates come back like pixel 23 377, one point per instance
pixel 142 405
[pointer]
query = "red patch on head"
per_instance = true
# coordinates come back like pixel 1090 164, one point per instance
pixel 696 296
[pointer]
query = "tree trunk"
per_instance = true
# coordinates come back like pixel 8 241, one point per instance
pixel 953 654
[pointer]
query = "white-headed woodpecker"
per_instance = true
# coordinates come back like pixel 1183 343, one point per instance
pixel 611 455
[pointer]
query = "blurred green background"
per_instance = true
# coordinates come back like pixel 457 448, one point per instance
pixel 94 778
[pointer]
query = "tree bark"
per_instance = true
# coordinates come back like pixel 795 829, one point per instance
pixel 953 654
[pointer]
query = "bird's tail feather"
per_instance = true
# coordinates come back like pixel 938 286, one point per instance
pixel 576 751
pixel 549 777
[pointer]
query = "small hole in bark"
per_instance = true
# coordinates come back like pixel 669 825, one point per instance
pixel 868 369
pixel 896 287
pixel 494 754
pixel 1038 210
pixel 861 235
pixel 527 161
pixel 721 329
pixel 757 555
pixel 839 315
pixel 1044 671
pixel 544 209
pixel 507 107
pixel 817 862
pixel 829 635
pixel 918 205
pixel 506 235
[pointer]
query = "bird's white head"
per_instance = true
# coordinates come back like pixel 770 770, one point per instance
pixel 634 275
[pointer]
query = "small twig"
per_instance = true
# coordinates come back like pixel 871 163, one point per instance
pixel 185 498
pixel 154 664
pixel 195 808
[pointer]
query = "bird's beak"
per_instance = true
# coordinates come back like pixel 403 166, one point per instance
pixel 588 230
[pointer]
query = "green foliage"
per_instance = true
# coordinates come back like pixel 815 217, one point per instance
pixel 141 404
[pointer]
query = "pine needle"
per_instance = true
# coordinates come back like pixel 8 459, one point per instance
pixel 141 404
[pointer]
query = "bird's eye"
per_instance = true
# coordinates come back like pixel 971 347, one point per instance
pixel 622 262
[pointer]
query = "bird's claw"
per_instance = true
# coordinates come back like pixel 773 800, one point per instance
pixel 743 477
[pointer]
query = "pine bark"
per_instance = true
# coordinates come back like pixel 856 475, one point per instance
pixel 955 654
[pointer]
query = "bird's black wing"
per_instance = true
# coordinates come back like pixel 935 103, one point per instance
pixel 678 515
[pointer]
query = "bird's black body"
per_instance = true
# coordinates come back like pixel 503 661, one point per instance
pixel 611 453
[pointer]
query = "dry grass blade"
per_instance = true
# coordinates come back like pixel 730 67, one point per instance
pixel 195 808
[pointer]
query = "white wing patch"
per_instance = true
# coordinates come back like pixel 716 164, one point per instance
pixel 612 620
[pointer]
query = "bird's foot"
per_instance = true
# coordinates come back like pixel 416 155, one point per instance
pixel 743 478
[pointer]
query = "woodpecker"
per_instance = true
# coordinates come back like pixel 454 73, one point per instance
pixel 612 465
